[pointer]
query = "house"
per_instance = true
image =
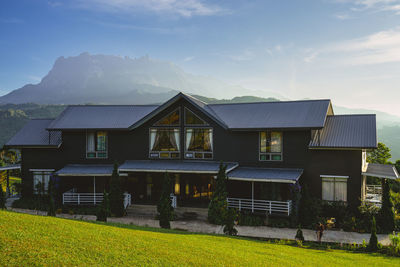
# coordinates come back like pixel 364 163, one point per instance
pixel 268 148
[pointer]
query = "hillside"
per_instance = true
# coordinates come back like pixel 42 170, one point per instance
pixel 27 240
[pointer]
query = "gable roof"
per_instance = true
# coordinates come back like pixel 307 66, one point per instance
pixel 100 116
pixel 34 134
pixel 347 131
pixel 278 115
pixel 194 101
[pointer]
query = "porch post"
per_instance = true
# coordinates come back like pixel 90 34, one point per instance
pixel 94 190
pixel 252 196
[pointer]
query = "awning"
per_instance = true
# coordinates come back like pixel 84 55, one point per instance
pixel 86 170
pixel 175 166
pixel 254 174
pixel 10 167
pixel 381 171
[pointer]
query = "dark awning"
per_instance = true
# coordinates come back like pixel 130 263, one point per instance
pixel 381 171
pixel 277 175
pixel 176 166
pixel 86 170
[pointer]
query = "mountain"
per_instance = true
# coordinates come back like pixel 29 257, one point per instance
pixel 116 80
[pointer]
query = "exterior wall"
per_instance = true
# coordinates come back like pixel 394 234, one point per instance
pixel 238 146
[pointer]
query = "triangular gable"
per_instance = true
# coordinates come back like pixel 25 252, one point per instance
pixel 195 102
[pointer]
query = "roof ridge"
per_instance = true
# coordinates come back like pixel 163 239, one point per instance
pixel 38 119
pixel 343 115
pixel 115 105
pixel 271 102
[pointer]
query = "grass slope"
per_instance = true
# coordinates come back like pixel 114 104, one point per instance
pixel 35 240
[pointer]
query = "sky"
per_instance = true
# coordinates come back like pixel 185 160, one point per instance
pixel 347 51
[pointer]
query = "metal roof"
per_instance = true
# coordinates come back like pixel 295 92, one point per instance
pixel 10 167
pixel 100 116
pixel 86 170
pixel 347 131
pixel 176 166
pixel 254 174
pixel 381 170
pixel 34 134
pixel 278 115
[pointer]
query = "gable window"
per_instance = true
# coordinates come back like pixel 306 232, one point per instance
pixel 96 144
pixel 172 119
pixel 193 119
pixel 164 142
pixel 198 143
pixel 334 188
pixel 270 146
pixel 41 181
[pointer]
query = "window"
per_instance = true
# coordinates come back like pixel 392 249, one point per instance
pixel 198 143
pixel 96 144
pixel 270 146
pixel 164 143
pixel 193 119
pixel 171 119
pixel 41 181
pixel 334 188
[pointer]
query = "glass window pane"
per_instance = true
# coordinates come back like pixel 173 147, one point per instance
pixel 328 190
pixel 171 119
pixel 340 191
pixel 276 142
pixel 166 140
pixel 199 140
pixel 90 142
pixel 276 157
pixel 101 141
pixel 192 119
pixel 263 142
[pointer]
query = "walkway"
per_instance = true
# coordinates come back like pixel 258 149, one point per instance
pixel 245 231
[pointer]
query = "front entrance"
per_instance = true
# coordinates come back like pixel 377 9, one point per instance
pixel 191 190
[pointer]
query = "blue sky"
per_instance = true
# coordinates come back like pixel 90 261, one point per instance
pixel 345 50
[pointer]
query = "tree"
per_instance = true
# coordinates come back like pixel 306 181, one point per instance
pixel 230 219
pixel 217 209
pixel 373 240
pixel 51 209
pixel 380 155
pixel 299 234
pixel 2 198
pixel 103 210
pixel 116 194
pixel 386 213
pixel 309 209
pixel 164 207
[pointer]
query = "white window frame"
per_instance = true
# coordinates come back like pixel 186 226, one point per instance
pixel 334 179
pixel 41 172
pixel 95 149
pixel 153 154
pixel 270 154
pixel 192 154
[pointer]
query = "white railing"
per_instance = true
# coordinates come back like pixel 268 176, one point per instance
pixel 269 206
pixel 374 189
pixel 82 198
pixel 173 201
pixel 127 200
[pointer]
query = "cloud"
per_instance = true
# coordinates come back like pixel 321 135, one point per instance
pixel 375 5
pixel 245 55
pixel 183 8
pixel 186 59
pixel 34 78
pixel 342 16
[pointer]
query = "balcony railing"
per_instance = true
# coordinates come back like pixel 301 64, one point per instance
pixel 255 205
pixel 73 198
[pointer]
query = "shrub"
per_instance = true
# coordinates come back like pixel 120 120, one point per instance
pixel 373 240
pixel 386 214
pixel 218 206
pixel 164 207
pixel 34 202
pixel 230 219
pixel 51 210
pixel 280 222
pixel 116 195
pixel 299 234
pixel 337 210
pixel 103 210
pixel 2 198
pixel 309 210
pixel 249 219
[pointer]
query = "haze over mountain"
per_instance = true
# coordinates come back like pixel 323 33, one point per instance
pixel 116 80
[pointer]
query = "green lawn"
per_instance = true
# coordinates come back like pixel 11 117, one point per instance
pixel 35 240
